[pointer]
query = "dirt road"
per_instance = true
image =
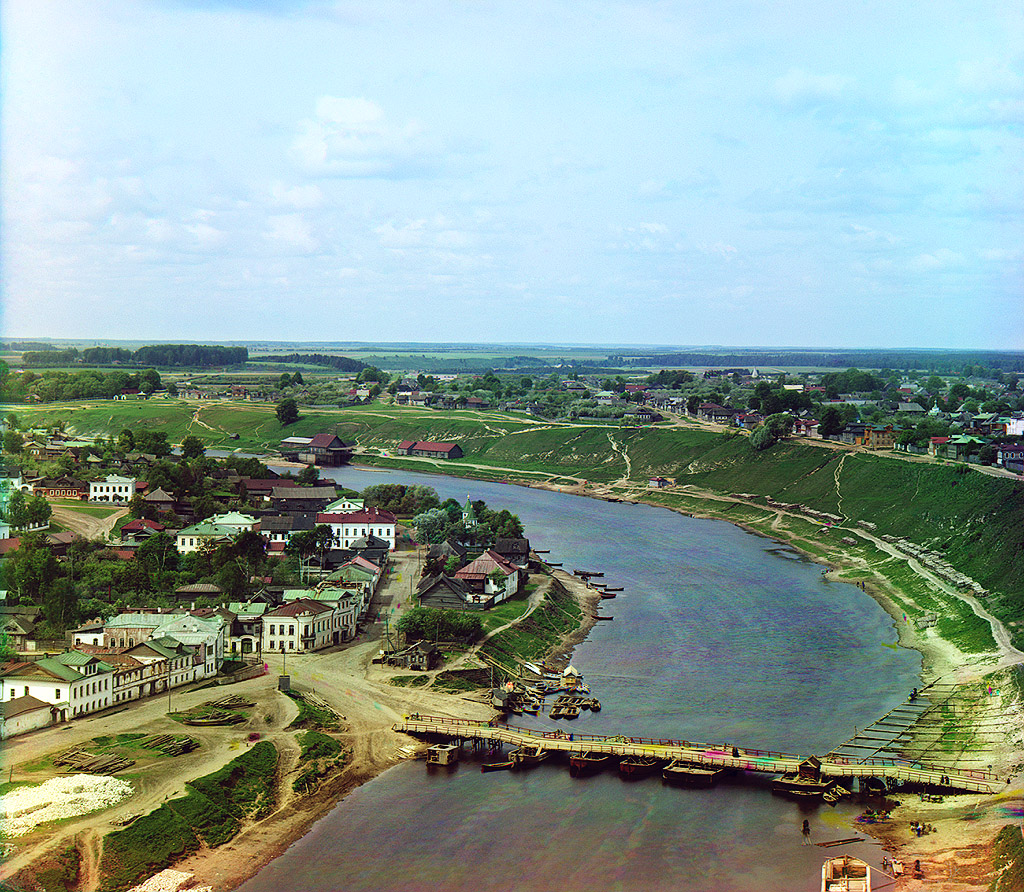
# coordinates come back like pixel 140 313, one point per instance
pixel 86 525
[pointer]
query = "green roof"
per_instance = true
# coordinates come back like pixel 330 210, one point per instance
pixel 59 669
pixel 240 609
pixel 207 529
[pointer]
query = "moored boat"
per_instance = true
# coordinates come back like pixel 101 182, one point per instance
pixel 498 766
pixel 807 782
pixel 589 763
pixel 637 767
pixel 528 756
pixel 845 874
pixel 686 775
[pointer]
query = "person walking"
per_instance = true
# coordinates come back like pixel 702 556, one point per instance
pixel 806 831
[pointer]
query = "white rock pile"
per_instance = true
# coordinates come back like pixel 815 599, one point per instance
pixel 170 881
pixel 63 797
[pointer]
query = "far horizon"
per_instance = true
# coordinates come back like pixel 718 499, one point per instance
pixel 682 172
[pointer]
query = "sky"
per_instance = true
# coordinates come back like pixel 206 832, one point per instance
pixel 668 173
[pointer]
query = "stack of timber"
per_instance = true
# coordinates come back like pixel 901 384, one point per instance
pixel 170 744
pixel 92 763
pixel 232 701
pixel 214 717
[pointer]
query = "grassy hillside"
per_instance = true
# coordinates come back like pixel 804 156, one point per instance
pixel 976 521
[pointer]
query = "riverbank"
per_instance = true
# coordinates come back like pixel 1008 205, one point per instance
pixel 957 855
pixel 361 692
pixel 961 836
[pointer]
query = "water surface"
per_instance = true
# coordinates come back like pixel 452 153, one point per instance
pixel 720 636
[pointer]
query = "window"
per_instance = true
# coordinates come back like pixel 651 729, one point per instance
pixel 291 645
pixel 271 628
pixel 56 694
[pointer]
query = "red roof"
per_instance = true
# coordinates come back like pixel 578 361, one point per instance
pixel 254 483
pixel 486 564
pixel 324 440
pixel 370 515
pixel 9 545
pixel 434 447
pixel 406 444
pixel 298 607
pixel 142 524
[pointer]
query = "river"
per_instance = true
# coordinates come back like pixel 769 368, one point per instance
pixel 719 636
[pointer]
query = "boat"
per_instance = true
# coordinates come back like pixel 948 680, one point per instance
pixel 585 574
pixel 685 775
pixel 805 783
pixel 845 874
pixel 498 766
pixel 613 588
pixel 606 619
pixel 528 756
pixel 637 767
pixel 606 595
pixel 582 764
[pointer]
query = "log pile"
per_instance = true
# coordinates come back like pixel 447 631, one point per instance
pixel 170 744
pixel 91 763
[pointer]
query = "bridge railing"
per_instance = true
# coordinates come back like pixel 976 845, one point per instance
pixel 724 755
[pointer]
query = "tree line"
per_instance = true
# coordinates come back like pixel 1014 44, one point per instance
pixel 164 355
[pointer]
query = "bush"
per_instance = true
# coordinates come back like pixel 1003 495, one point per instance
pixel 762 438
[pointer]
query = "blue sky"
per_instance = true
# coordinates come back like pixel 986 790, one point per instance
pixel 697 172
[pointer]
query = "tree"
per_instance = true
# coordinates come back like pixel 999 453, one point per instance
pixel 308 476
pixel 287 411
pixel 284 381
pixel 13 442
pixel 125 441
pixel 192 447
pixel 38 510
pixel 831 422
pixel 431 526
pixel 172 389
pixel 149 381
pixel 17 510
pixel 298 379
pixel 762 438
pixel 452 565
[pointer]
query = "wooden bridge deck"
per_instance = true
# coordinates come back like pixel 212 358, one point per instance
pixel 709 755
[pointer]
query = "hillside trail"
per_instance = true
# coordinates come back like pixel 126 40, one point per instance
pixel 623 452
pixel 90 847
pixel 534 601
pixel 839 494
pixel 1009 654
pixel 86 525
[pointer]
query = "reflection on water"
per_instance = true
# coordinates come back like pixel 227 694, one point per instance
pixel 719 636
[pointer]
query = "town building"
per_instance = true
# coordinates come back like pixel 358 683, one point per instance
pixel 112 488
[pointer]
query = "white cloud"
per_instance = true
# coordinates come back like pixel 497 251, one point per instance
pixel 351 137
pixel 797 87
pixel 291 231
pixel 943 258
pixel 299 197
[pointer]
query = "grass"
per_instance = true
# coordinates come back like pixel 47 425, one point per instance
pixel 409 681
pixel 211 811
pixel 1008 860
pixel 320 755
pixel 312 716
pixel 83 508
pixel 59 872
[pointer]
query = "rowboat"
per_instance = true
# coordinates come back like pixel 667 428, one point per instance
pixel 845 874
pixel 498 766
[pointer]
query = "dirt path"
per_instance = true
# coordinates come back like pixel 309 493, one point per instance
pixel 624 454
pixel 87 525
